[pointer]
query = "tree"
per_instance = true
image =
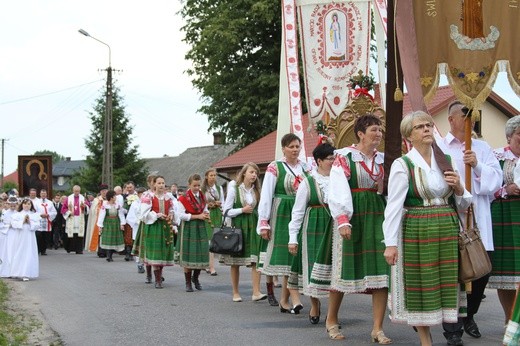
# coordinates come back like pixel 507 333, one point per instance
pixel 235 51
pixel 55 156
pixel 127 164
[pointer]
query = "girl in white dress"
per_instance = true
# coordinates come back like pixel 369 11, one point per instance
pixel 24 259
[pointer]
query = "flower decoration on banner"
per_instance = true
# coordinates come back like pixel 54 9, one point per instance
pixel 320 128
pixel 362 84
pixel 130 199
pixel 471 80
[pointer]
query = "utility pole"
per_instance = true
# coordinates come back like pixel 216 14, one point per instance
pixel 107 169
pixel 107 175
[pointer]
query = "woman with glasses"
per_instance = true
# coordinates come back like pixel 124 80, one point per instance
pixel 421 230
pixel 311 214
pixel 357 206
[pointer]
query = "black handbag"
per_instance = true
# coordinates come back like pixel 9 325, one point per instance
pixel 226 240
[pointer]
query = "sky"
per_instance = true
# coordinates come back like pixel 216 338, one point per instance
pixel 51 75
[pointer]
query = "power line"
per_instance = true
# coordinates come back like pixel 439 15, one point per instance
pixel 49 93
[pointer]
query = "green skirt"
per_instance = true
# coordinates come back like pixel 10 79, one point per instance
pixel 316 225
pixel 112 236
pixel 505 214
pixel 215 216
pixel 278 260
pixel 358 263
pixel 424 284
pixel 194 245
pixel 158 244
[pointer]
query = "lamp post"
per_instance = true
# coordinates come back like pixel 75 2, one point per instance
pixel 107 171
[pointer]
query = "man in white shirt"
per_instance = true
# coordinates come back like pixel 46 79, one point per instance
pixel 486 178
pixel 47 212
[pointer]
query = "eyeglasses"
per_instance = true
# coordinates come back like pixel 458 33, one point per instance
pixel 330 158
pixel 423 126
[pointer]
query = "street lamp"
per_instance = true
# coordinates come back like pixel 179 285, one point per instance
pixel 107 174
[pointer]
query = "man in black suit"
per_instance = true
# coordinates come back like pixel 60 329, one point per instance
pixel 58 225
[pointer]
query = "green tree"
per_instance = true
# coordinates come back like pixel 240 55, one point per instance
pixel 127 164
pixel 55 156
pixel 235 55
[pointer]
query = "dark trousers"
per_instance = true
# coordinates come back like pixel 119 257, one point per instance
pixel 73 244
pixel 41 241
pixel 474 300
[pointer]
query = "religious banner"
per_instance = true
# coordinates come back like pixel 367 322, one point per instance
pixel 381 10
pixel 35 172
pixel 468 40
pixel 290 66
pixel 335 40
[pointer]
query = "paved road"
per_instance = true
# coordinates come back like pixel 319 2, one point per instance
pixel 91 302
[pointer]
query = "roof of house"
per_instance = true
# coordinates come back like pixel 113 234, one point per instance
pixel 11 178
pixel 178 169
pixel 67 167
pixel 262 151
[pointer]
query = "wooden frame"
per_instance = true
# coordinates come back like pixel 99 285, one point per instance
pixel 35 172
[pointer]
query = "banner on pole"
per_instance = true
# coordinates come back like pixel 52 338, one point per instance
pixel 335 41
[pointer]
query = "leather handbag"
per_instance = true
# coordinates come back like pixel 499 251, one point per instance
pixel 226 240
pixel 474 261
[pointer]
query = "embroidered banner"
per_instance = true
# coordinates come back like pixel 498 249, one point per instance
pixel 290 42
pixel 468 40
pixel 335 39
pixel 381 9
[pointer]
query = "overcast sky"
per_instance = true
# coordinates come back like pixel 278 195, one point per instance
pixel 50 76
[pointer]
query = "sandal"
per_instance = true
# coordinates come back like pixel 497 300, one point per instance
pixel 380 338
pixel 334 333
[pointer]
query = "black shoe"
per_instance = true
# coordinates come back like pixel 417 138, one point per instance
pixel 471 327
pixel 272 300
pixel 140 268
pixel 296 309
pixel 44 254
pixel 148 280
pixel 284 310
pixel 315 319
pixel 454 340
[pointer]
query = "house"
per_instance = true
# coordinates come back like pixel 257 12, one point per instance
pixel 494 114
pixel 178 169
pixel 62 173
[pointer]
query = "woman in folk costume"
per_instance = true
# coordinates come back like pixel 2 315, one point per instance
pixel 111 223
pixel 214 195
pixel 6 236
pixel 310 214
pixel 357 206
pixel 74 210
pixel 421 229
pixel 505 214
pixel 281 181
pixel 241 206
pixel 138 247
pixel 194 244
pixel 157 215
pixel 24 251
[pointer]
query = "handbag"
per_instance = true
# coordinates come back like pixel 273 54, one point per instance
pixel 226 240
pixel 474 261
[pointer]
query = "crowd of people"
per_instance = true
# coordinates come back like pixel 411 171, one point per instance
pixel 324 229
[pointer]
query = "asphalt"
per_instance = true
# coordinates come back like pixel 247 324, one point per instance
pixel 89 301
